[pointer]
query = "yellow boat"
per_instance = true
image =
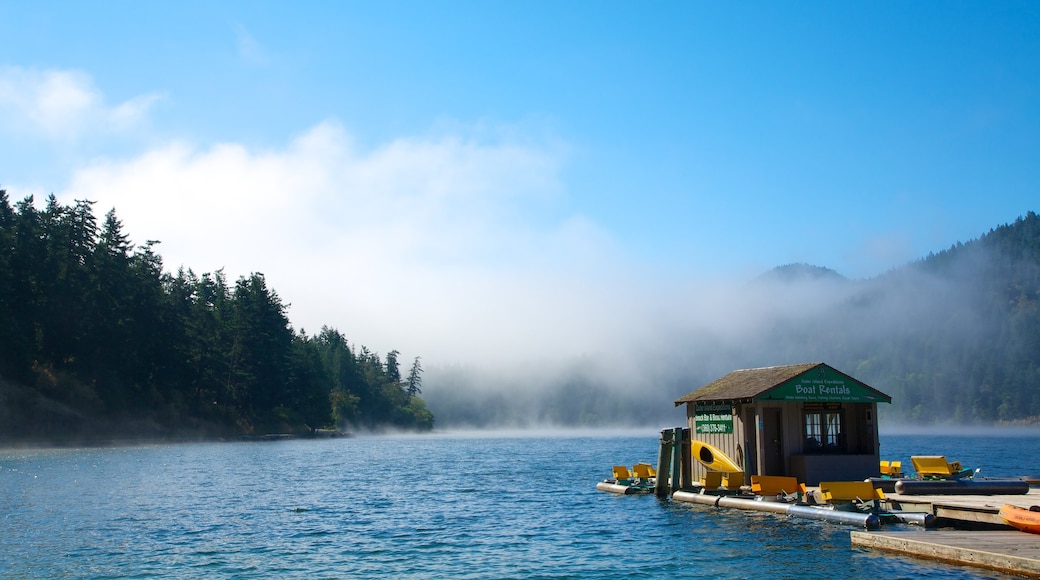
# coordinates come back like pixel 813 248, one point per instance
pixel 713 458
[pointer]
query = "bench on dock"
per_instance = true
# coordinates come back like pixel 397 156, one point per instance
pixel 776 485
pixel 849 492
pixel 936 467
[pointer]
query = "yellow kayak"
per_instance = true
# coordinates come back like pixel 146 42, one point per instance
pixel 713 458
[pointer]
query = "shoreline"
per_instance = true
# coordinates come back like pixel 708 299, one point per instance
pixel 110 442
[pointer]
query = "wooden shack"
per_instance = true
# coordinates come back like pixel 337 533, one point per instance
pixel 809 421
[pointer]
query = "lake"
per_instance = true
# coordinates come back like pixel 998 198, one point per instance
pixel 485 505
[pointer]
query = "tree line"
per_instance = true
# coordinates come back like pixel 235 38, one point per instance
pixel 952 337
pixel 969 350
pixel 94 335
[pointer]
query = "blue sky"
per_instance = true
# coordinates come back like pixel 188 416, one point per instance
pixel 496 168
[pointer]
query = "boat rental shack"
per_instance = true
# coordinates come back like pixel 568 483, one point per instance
pixel 809 421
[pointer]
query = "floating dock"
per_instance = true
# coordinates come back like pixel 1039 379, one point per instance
pixel 622 489
pixel 978 509
pixel 999 548
pixel 973 532
pixel 1011 552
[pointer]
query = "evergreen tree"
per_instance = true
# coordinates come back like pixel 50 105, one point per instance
pixel 11 352
pixel 415 379
pixel 393 368
pixel 261 343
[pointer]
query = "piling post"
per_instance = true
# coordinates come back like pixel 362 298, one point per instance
pixel 686 459
pixel 676 459
pixel 664 463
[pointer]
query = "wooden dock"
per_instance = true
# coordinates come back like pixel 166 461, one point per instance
pixel 956 509
pixel 996 546
pixel 1009 552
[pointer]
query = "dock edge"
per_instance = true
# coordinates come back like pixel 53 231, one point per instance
pixel 903 543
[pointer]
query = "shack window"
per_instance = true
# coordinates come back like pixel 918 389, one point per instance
pixel 824 430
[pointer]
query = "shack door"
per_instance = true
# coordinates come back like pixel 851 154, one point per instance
pixel 773 442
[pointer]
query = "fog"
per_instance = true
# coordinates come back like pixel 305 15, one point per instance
pixel 791 315
pixel 949 429
pixel 538 432
pixel 464 249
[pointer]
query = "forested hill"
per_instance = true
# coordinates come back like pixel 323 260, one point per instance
pixel 97 341
pixel 954 336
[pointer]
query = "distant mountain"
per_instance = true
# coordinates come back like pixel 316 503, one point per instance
pixel 800 272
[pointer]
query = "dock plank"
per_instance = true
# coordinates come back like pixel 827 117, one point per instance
pixel 967 508
pixel 1011 552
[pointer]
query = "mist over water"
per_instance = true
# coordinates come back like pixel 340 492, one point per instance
pixel 790 315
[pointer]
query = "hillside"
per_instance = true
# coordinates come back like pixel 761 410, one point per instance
pixel 98 342
pixel 952 337
pixel 956 335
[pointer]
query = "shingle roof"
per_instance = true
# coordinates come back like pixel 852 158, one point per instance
pixel 746 384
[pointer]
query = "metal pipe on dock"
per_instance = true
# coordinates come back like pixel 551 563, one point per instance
pixel 962 487
pixel 868 521
pixel 621 489
pixel 775 507
pixel 923 519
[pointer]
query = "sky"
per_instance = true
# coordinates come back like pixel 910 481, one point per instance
pixel 522 180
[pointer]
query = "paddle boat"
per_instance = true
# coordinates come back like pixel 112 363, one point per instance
pixel 937 476
pixel 891 469
pixel 640 480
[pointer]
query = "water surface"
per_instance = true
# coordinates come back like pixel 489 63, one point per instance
pixel 436 506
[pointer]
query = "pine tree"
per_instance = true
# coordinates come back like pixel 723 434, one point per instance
pixel 415 379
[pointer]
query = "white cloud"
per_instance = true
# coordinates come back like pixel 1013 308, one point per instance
pixel 429 245
pixel 64 105
pixel 450 247
pixel 455 247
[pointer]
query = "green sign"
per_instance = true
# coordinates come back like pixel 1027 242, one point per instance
pixel 824 384
pixel 713 418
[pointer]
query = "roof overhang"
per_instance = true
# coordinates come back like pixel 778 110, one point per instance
pixel 810 382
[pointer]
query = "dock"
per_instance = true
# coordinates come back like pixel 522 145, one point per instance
pixel 1009 552
pixel 949 520
pixel 995 546
pixel 978 509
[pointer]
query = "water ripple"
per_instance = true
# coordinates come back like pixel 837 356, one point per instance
pixel 426 507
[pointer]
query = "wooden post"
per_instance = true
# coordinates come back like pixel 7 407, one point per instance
pixel 676 459
pixel 664 459
pixel 686 460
